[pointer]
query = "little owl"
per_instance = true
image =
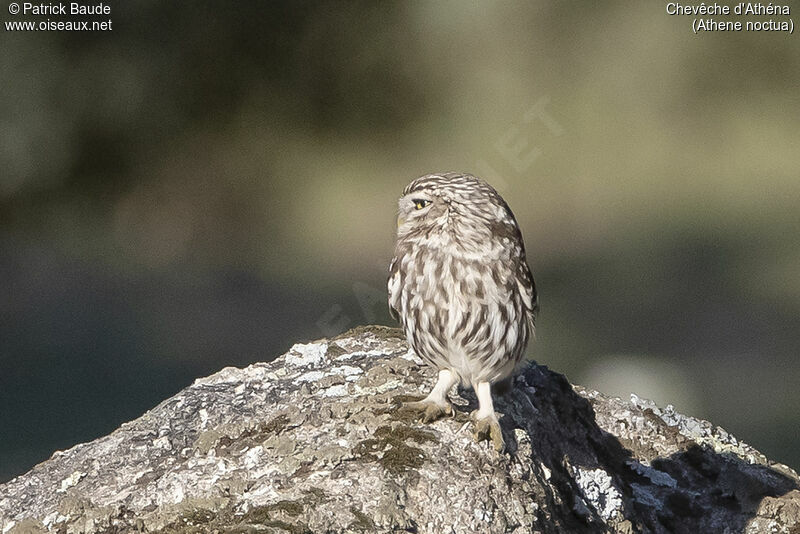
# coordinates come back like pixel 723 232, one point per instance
pixel 461 288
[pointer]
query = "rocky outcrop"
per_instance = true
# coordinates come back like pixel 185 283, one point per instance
pixel 315 441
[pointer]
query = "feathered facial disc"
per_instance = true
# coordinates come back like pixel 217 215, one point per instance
pixel 436 200
pixel 420 207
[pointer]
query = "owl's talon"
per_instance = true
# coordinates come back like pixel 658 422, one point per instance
pixel 430 411
pixel 488 428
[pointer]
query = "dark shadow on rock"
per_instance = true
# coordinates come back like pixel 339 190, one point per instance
pixel 590 475
pixel 723 483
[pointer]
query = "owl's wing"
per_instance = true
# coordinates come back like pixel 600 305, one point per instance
pixel 527 288
pixel 525 283
pixel 393 288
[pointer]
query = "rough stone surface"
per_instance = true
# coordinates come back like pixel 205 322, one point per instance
pixel 315 442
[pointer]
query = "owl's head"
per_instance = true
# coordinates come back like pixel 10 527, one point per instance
pixel 447 200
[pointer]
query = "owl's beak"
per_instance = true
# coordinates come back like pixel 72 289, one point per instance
pixel 400 221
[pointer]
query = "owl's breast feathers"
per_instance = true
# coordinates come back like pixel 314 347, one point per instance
pixel 443 260
pixel 454 303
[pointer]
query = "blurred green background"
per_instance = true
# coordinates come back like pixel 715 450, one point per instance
pixel 210 182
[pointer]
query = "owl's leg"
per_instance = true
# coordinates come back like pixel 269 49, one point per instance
pixel 436 404
pixel 486 424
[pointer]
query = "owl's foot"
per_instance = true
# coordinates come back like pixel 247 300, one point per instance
pixel 485 420
pixel 435 405
pixel 488 428
pixel 430 409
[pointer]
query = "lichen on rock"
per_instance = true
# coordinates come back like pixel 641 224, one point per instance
pixel 315 441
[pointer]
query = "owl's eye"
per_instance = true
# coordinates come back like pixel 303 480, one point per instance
pixel 420 203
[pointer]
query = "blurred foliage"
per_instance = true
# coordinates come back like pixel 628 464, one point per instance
pixel 206 184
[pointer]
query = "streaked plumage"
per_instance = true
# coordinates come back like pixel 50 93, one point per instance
pixel 459 282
